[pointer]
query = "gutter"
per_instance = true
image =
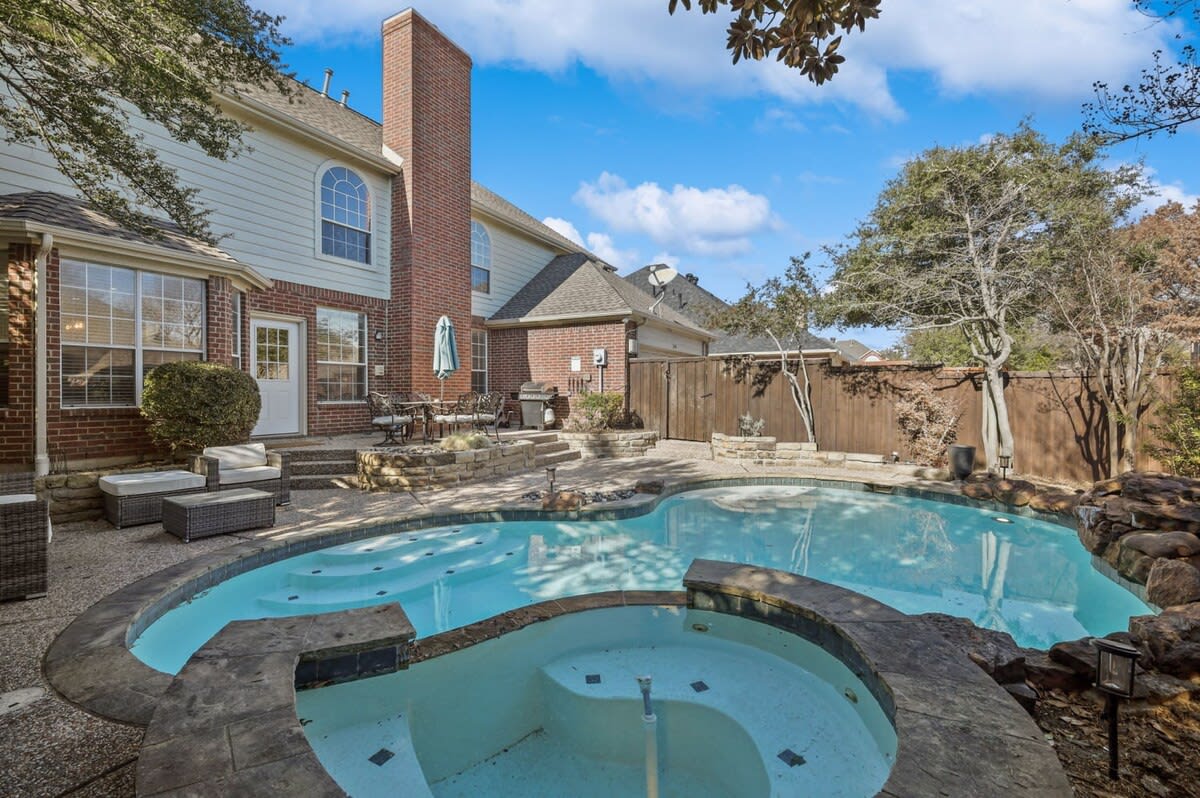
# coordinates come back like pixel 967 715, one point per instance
pixel 559 320
pixel 41 454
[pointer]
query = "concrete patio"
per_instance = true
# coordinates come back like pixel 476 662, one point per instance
pixel 54 748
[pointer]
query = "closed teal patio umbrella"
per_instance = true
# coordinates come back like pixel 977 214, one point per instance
pixel 445 352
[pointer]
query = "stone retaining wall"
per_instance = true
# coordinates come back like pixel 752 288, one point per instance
pixel 77 496
pixel 631 443
pixel 769 452
pixel 398 470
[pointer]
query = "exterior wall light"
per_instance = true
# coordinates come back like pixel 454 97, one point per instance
pixel 1116 664
pixel 379 335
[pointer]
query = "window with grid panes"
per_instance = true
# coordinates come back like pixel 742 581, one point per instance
pixel 116 324
pixel 479 356
pixel 345 215
pixel 341 356
pixel 481 259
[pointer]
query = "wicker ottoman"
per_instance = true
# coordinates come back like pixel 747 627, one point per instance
pixel 133 499
pixel 203 515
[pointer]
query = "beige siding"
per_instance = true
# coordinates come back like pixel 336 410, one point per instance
pixel 657 342
pixel 516 259
pixel 263 203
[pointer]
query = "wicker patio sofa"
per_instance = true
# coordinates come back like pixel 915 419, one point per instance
pixel 247 465
pixel 24 538
pixel 133 499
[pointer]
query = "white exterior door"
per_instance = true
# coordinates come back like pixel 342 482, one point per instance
pixel 275 363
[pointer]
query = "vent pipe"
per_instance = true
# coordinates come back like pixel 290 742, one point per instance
pixel 345 97
pixel 328 77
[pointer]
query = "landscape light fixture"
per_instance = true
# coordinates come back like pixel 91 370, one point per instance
pixel 1004 461
pixel 550 476
pixel 1116 663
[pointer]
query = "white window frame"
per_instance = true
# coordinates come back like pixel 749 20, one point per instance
pixel 138 347
pixel 481 254
pixel 239 313
pixel 486 353
pixel 318 218
pixel 363 364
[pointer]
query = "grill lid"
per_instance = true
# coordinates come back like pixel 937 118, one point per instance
pixel 537 390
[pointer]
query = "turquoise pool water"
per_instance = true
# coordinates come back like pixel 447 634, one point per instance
pixel 554 709
pixel 1029 578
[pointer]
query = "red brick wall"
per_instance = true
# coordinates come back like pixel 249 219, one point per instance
pixel 302 301
pixel 427 121
pixel 516 355
pixel 16 420
pixel 219 315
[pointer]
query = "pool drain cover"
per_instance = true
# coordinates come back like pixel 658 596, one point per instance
pixel 791 758
pixel 380 756
pixel 592 678
pixel 699 687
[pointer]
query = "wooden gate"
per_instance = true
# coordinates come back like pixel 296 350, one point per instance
pixel 676 397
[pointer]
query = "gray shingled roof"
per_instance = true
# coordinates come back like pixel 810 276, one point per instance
pixel 74 214
pixel 326 114
pixel 852 349
pixel 698 304
pixel 576 285
pixel 502 208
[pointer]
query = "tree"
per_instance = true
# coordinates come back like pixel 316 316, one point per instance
pixel 964 239
pixel 801 33
pixel 1180 427
pixel 1166 97
pixel 781 309
pixel 73 72
pixel 1126 300
pixel 1035 348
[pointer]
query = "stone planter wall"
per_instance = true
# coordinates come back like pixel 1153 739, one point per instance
pixel 628 443
pixel 396 470
pixel 77 496
pixel 769 452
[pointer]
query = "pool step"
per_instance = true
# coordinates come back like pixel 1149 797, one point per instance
pixel 371 549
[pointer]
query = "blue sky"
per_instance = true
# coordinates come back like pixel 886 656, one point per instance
pixel 630 130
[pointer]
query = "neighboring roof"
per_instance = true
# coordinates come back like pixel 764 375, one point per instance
pixel 493 204
pixel 698 304
pixel 854 350
pixel 74 214
pixel 575 286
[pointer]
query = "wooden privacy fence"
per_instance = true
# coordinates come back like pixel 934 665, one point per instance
pixel 1059 423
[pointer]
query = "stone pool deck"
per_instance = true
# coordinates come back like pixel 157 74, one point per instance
pixel 54 748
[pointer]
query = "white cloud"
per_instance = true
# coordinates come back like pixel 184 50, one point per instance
pixel 1160 194
pixel 563 228
pixel 715 222
pixel 603 245
pixel 1047 49
pixel 667 259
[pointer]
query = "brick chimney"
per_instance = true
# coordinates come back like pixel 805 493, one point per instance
pixel 427 122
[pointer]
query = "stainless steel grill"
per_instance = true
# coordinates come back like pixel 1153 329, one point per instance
pixel 535 397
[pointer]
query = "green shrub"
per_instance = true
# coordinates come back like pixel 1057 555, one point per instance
pixel 1179 432
pixel 192 404
pixel 461 442
pixel 596 411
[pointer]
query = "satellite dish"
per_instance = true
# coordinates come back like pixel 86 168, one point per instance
pixel 661 276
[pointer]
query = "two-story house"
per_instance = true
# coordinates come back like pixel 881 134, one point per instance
pixel 342 240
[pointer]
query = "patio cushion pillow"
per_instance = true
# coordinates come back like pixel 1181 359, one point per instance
pixel 17 498
pixel 391 421
pixel 244 455
pixel 236 476
pixel 150 482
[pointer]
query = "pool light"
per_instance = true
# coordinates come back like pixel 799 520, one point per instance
pixel 999 519
pixel 1115 666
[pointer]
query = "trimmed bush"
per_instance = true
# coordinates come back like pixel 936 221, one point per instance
pixel 596 411
pixel 192 404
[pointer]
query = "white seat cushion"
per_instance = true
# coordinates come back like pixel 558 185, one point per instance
pixel 245 455
pixel 486 418
pixel 17 498
pixel 391 421
pixel 150 482
pixel 236 476
pixel 451 418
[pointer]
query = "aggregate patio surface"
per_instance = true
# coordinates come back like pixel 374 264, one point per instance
pixel 52 748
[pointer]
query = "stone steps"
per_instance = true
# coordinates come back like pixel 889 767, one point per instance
pixel 345 481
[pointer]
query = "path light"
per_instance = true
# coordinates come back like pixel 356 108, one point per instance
pixel 550 476
pixel 1004 461
pixel 1115 665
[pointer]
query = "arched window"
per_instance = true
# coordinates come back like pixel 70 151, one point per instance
pixel 481 259
pixel 345 215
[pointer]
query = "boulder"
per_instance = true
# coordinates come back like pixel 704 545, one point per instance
pixel 1014 492
pixel 1054 502
pixel 1078 655
pixel 1025 695
pixel 1163 544
pixel 995 652
pixel 1046 674
pixel 654 486
pixel 1172 582
pixel 977 490
pixel 1162 688
pixel 1170 640
pixel 1107 487
pixel 563 500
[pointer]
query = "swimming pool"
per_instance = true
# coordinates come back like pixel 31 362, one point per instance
pixel 555 709
pixel 1026 577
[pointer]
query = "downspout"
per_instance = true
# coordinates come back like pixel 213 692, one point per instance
pixel 41 456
